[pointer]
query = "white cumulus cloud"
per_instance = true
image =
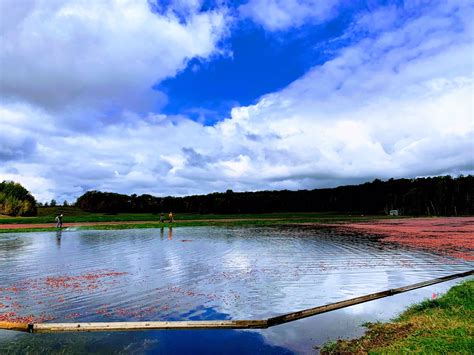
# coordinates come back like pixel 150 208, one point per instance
pixel 277 15
pixel 397 103
pixel 85 59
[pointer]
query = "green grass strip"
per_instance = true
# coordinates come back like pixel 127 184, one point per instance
pixel 440 326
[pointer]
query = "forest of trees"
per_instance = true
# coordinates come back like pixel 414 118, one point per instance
pixel 15 200
pixel 441 195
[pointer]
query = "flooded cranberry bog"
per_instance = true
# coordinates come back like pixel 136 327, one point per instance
pixel 452 236
pixel 215 273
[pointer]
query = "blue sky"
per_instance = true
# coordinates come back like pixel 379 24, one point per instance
pixel 257 62
pixel 182 97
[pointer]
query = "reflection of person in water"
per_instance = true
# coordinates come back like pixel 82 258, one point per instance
pixel 162 229
pixel 58 237
pixel 170 233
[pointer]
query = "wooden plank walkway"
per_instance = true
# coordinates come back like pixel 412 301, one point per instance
pixel 219 324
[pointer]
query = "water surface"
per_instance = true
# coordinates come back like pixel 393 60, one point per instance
pixel 205 273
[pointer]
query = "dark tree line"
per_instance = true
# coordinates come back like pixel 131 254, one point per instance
pixel 15 200
pixel 442 195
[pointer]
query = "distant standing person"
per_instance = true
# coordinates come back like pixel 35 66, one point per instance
pixel 59 220
pixel 170 217
pixel 162 217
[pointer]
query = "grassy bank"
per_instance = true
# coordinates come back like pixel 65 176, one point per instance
pixel 179 223
pixel 149 220
pixel 145 225
pixel 76 215
pixel 442 325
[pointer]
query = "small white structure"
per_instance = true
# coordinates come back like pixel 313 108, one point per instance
pixel 393 213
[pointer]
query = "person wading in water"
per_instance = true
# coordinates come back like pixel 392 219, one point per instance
pixel 59 220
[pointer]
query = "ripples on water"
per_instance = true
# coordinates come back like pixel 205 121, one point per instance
pixel 205 273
